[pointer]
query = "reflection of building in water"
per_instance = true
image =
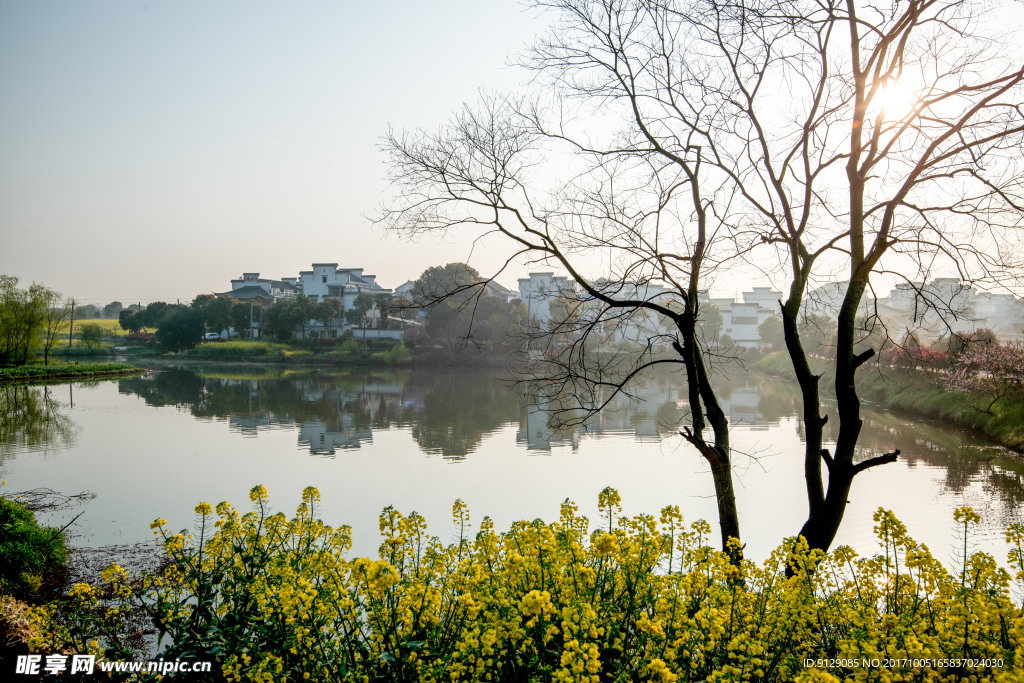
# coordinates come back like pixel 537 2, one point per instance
pixel 535 431
pixel 358 409
pixel 328 416
pixel 637 416
pixel 324 440
pixel 742 404
pixel 655 412
pixel 250 424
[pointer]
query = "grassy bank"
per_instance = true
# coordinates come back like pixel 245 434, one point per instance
pixel 33 558
pixel 348 353
pixel 28 373
pixel 916 392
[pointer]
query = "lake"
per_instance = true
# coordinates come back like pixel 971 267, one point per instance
pixel 156 445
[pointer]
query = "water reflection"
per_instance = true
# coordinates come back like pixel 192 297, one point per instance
pixel 237 426
pixel 657 408
pixel 450 414
pixel 33 419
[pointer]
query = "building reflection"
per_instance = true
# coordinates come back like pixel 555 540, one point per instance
pixel 449 414
pixel 654 409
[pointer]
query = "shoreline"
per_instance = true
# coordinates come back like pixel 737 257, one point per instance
pixel 915 395
pixel 66 372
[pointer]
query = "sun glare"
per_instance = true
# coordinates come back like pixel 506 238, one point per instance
pixel 897 100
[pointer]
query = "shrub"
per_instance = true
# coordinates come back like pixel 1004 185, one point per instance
pixel 635 599
pixel 80 350
pixel 397 354
pixel 383 344
pixel 32 557
pixel 90 335
pixel 349 347
pixel 239 348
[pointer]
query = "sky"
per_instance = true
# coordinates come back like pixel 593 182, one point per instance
pixel 157 150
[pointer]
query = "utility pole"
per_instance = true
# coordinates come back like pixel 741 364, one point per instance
pixel 71 330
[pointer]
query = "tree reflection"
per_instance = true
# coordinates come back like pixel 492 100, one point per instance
pixel 447 413
pixel 451 413
pixel 460 409
pixel 31 419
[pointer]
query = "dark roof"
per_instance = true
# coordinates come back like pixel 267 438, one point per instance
pixel 249 292
pixel 500 288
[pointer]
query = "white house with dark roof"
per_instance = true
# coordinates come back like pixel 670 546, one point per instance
pixel 741 319
pixel 265 290
pixel 931 310
pixel 324 281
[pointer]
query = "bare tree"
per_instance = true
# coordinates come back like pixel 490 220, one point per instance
pixel 884 139
pixel 811 134
pixel 650 215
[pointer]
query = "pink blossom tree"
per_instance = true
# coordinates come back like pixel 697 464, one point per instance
pixel 988 373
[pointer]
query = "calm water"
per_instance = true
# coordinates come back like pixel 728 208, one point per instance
pixel 154 446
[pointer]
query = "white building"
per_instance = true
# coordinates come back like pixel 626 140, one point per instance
pixel 928 309
pixel 932 310
pixel 740 320
pixel 324 281
pixel 539 290
pixel 327 281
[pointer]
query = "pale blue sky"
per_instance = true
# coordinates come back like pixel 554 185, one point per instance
pixel 155 150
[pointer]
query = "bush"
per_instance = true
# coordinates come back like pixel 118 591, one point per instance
pixel 81 349
pixel 636 599
pixel 348 347
pixel 383 344
pixel 90 335
pixel 397 354
pixel 241 349
pixel 32 557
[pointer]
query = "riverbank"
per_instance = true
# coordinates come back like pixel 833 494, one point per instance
pixel 914 392
pixel 40 373
pixel 347 354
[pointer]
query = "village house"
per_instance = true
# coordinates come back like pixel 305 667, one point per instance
pixel 324 281
pixel 930 310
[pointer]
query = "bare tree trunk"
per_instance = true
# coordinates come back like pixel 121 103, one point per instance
pixel 814 422
pixel 718 454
